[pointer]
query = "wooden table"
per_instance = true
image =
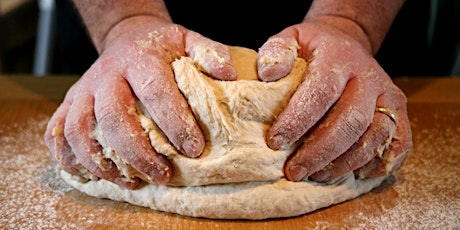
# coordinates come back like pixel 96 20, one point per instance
pixel 424 194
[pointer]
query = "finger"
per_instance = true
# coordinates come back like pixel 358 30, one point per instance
pixel 57 144
pixel 213 57
pixel 400 146
pixel 375 168
pixel 277 56
pixel 373 142
pixel 115 110
pixel 342 126
pixel 324 83
pixel 156 88
pixel 402 141
pixel 79 132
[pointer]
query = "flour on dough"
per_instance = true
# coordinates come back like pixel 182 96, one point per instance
pixel 238 176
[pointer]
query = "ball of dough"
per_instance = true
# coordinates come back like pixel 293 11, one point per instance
pixel 238 176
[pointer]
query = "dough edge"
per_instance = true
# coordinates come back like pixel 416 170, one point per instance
pixel 248 200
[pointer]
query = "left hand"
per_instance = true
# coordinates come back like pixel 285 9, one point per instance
pixel 133 65
pixel 333 111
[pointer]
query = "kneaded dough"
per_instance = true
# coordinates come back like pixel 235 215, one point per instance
pixel 238 176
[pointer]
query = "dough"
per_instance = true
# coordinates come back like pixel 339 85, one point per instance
pixel 238 176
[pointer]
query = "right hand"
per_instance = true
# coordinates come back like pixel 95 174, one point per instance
pixel 134 63
pixel 333 113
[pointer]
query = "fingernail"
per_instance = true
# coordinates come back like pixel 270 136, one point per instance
pixel 297 172
pixel 161 175
pixel 193 147
pixel 276 142
pixel 321 176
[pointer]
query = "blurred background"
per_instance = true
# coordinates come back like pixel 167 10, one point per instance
pixel 47 37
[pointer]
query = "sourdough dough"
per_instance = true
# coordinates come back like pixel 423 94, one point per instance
pixel 238 176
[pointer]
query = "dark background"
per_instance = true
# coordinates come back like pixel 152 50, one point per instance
pixel 419 43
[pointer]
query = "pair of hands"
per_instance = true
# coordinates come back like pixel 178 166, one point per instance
pixel 332 111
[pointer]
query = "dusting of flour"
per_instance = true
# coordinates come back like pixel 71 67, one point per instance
pixel 428 193
pixel 32 196
pixel 29 191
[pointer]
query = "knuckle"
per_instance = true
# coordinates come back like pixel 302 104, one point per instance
pixel 354 124
pixel 71 131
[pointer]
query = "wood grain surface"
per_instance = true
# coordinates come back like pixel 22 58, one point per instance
pixel 423 194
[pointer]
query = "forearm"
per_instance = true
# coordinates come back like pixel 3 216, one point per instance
pixel 101 16
pixel 367 21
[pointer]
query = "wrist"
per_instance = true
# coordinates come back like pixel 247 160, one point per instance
pixel 128 27
pixel 101 17
pixel 355 17
pixel 346 26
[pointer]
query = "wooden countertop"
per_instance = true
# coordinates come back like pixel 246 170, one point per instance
pixel 423 194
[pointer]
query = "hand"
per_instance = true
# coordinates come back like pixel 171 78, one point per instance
pixel 333 112
pixel 134 64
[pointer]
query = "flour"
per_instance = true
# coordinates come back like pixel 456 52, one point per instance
pixel 27 202
pixel 238 176
pixel 427 193
pixel 426 196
